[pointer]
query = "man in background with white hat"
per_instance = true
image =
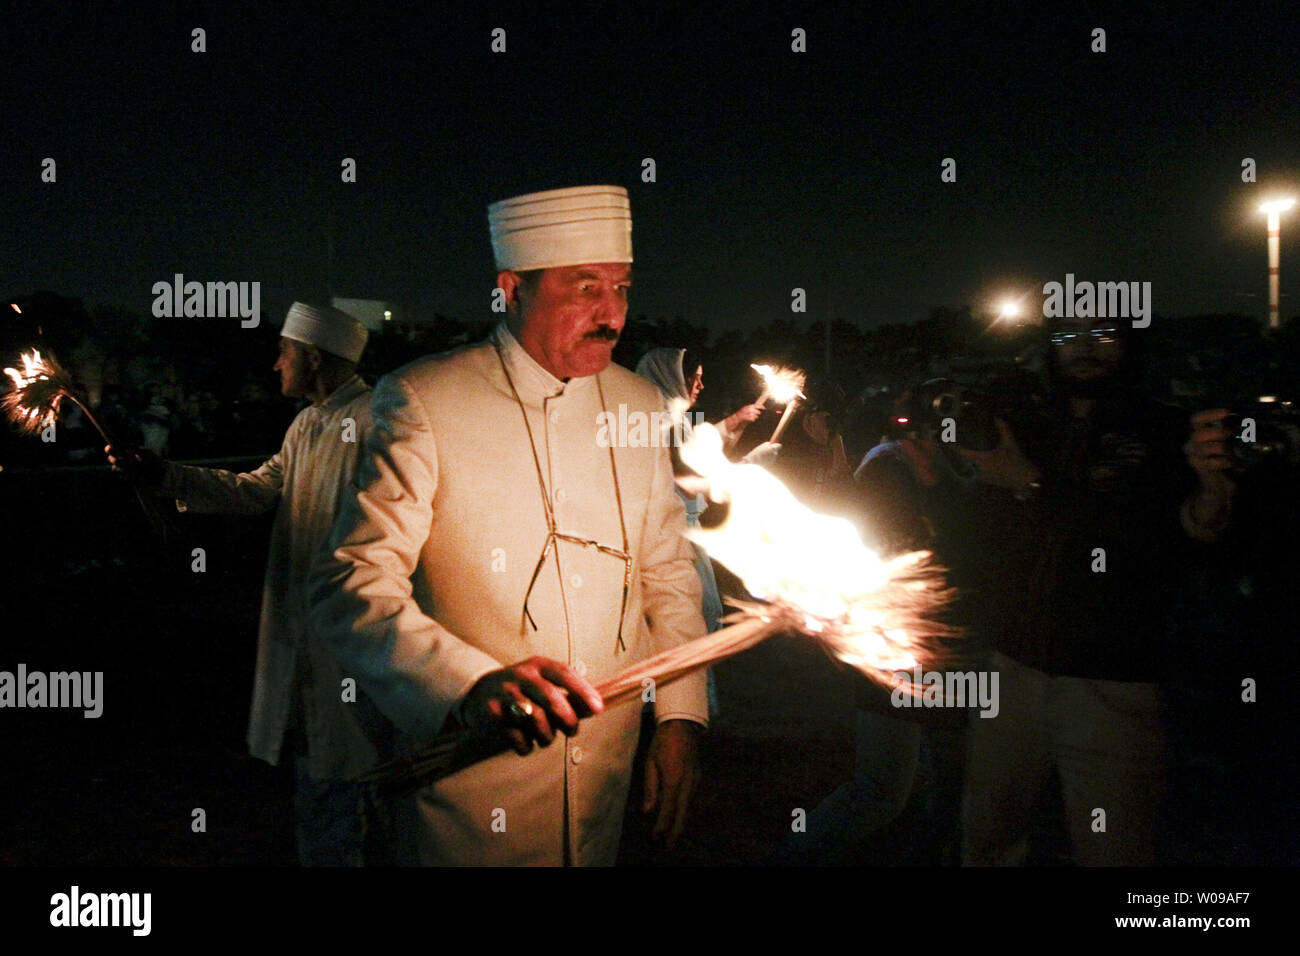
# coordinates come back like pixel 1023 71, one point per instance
pixel 299 701
pixel 498 561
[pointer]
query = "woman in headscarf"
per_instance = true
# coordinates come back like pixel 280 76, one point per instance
pixel 665 367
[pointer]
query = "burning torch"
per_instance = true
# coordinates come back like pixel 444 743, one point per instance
pixel 785 387
pixel 812 574
pixel 33 404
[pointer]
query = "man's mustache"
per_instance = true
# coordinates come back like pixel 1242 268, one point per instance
pixel 604 332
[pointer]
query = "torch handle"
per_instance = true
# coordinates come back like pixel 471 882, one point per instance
pixel 156 522
pixel 785 418
pixel 454 751
pixel 90 416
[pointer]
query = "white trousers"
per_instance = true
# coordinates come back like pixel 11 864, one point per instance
pixel 1106 741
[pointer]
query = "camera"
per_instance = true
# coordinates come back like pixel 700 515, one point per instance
pixel 1263 434
pixel 942 409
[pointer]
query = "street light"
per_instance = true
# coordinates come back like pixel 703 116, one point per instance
pixel 1274 208
pixel 1006 311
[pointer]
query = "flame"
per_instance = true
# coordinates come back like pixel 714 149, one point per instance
pixel 781 384
pixel 33 402
pixel 34 370
pixel 871 613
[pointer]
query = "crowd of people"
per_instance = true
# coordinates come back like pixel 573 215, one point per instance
pixel 1124 567
pixel 1112 556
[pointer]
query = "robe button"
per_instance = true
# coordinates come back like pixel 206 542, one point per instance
pixel 560 495
pixel 581 668
pixel 555 417
pixel 576 755
pixel 575 580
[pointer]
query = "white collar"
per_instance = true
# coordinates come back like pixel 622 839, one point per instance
pixel 349 390
pixel 528 375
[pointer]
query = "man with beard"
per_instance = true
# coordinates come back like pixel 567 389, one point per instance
pixel 1090 537
pixel 498 560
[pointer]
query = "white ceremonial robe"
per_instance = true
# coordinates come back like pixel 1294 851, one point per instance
pixel 305 481
pixel 424 591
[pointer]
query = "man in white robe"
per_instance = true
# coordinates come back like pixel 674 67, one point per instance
pixel 298 692
pixel 449 596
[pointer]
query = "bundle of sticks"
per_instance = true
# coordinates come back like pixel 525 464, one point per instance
pixel 452 752
pixel 904 630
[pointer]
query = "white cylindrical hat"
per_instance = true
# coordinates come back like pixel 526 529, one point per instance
pixel 562 227
pixel 327 328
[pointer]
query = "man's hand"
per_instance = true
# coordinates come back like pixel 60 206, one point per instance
pixel 671 773
pixel 139 464
pixel 1210 456
pixel 547 696
pixel 1005 466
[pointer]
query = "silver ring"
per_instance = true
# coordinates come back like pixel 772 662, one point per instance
pixel 521 711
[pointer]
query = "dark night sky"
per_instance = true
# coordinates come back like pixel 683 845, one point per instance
pixel 775 169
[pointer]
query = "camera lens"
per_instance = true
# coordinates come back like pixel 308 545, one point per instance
pixel 946 405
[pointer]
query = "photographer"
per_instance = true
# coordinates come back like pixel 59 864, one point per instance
pixel 1229 698
pixel 1104 482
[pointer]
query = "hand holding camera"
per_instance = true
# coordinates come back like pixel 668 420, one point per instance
pixel 1006 465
